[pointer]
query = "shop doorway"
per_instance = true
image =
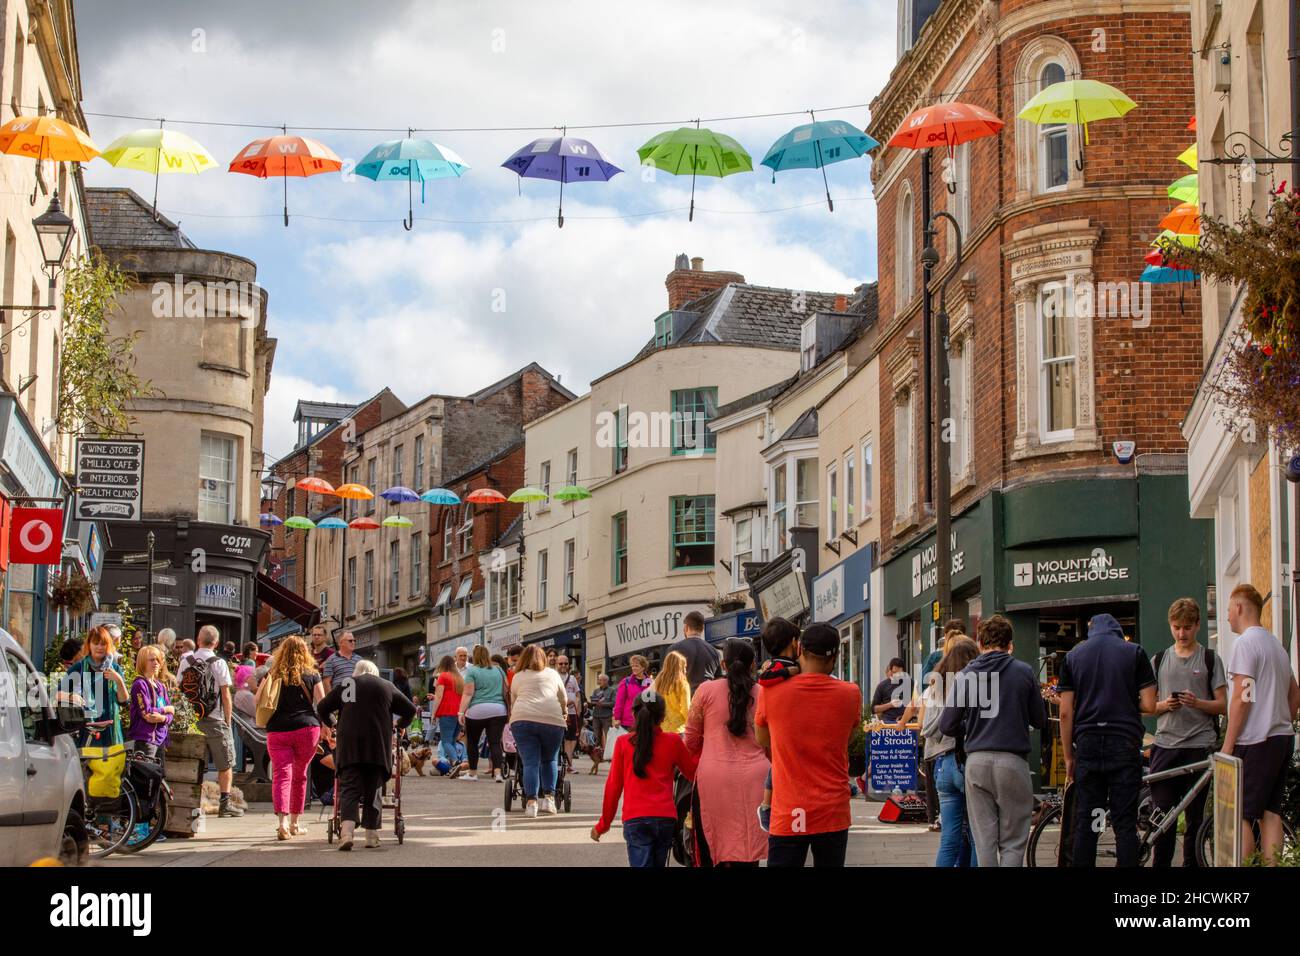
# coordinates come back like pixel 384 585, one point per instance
pixel 229 626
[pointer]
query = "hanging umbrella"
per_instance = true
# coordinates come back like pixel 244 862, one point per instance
pixel 269 520
pixel 1077 102
pixel 354 492
pixel 1192 125
pixel 1186 189
pixel 363 524
pixel 1154 258
pixel 285 156
pixel 571 493
pixel 300 522
pixel 411 160
pixel 701 151
pixel 158 151
pixel 1166 275
pixel 46 137
pixel 1188 157
pixel 563 159
pixel 1169 236
pixel 816 145
pixel 332 523
pixel 440 496
pixel 527 494
pixel 398 494
pixel 1184 219
pixel 486 496
pixel 945 124
pixel 396 521
pixel 317 486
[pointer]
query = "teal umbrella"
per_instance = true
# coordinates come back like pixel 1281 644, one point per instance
pixel 698 151
pixel 816 145
pixel 332 523
pixel 440 496
pixel 410 161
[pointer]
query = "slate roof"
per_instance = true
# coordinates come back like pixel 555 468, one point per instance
pixel 310 409
pixel 120 219
pixel 805 426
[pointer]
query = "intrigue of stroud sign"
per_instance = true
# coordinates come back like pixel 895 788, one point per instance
pixel 110 479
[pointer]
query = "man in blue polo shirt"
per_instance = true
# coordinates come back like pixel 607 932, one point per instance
pixel 1106 685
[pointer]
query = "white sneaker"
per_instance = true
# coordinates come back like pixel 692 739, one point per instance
pixel 496 777
pixel 372 839
pixel 468 776
pixel 548 805
pixel 531 809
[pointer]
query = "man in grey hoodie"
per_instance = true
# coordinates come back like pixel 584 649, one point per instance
pixel 990 708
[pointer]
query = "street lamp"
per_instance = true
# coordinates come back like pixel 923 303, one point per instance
pixel 54 231
pixel 943 473
pixel 272 485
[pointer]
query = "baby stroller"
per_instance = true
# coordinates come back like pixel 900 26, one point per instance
pixel 392 800
pixel 514 777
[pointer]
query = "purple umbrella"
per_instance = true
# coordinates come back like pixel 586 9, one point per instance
pixel 564 159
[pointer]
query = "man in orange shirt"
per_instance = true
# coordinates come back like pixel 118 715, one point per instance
pixel 804 723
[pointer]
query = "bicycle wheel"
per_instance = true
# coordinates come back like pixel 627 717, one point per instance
pixel 109 821
pixel 1044 847
pixel 153 824
pixel 1205 839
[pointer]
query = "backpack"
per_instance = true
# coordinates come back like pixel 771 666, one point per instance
pixel 1209 669
pixel 199 685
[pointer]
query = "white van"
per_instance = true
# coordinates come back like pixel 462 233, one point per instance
pixel 42 793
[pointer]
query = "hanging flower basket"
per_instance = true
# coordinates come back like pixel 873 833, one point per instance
pixel 69 590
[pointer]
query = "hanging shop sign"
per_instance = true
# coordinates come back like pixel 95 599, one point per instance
pixel 743 623
pixel 110 479
pixel 844 590
pixel 1084 570
pixel 30 471
pixel 648 627
pixel 36 536
pixel 785 597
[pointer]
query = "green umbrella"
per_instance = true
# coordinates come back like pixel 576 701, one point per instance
pixel 300 522
pixel 396 521
pixel 1187 189
pixel 526 494
pixel 572 493
pixel 697 151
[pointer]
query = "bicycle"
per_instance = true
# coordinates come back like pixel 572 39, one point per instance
pixel 156 817
pixel 1044 848
pixel 109 821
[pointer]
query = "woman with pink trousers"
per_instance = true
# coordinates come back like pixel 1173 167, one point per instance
pixel 733 767
pixel 292 731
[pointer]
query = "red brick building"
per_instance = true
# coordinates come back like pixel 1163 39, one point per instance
pixel 1056 353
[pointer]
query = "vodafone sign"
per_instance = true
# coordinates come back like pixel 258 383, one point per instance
pixel 36 536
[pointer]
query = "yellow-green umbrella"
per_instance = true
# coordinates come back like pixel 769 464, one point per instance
pixel 1078 102
pixel 1190 240
pixel 1187 189
pixel 158 151
pixel 397 521
pixel 1188 156
pixel 526 494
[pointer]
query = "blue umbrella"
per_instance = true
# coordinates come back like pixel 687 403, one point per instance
pixel 409 160
pixel 398 494
pixel 269 521
pixel 331 523
pixel 1164 275
pixel 440 496
pixel 563 159
pixel 816 145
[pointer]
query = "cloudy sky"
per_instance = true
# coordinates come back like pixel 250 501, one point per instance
pixel 486 283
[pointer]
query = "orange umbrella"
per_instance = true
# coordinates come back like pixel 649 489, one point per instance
pixel 354 491
pixel 285 156
pixel 1184 219
pixel 46 137
pixel 945 124
pixel 315 485
pixel 486 496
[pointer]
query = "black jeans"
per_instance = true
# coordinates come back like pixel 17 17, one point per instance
pixel 495 727
pixel 361 787
pixel 828 849
pixel 1165 795
pixel 1107 776
pixel 931 792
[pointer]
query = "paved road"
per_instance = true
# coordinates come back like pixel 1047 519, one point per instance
pixel 460 823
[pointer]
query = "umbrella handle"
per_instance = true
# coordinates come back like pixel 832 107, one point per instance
pixel 694 165
pixel 285 178
pixel 952 189
pixel 409 221
pixel 559 222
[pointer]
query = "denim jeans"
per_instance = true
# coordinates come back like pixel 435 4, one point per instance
pixel 649 840
pixel 539 747
pixel 956 848
pixel 448 728
pixel 1107 775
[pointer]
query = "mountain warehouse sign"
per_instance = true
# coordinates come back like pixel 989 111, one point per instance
pixel 1082 571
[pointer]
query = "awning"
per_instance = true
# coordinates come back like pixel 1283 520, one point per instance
pixel 462 592
pixel 281 599
pixel 442 596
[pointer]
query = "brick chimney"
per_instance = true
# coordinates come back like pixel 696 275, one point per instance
pixel 685 284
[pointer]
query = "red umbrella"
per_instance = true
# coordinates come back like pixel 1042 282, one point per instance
pixel 945 124
pixel 486 496
pixel 315 485
pixel 1155 258
pixel 285 156
pixel 363 524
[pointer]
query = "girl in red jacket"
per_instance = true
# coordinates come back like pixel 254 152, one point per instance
pixel 642 774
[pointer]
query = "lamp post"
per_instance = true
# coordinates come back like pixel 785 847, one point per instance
pixel 54 232
pixel 272 485
pixel 943 467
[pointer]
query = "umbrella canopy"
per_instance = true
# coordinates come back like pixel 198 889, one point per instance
pixel 1154 258
pixel 698 151
pixel 816 145
pixel 1188 157
pixel 1168 235
pixel 1184 219
pixel 398 494
pixel 571 493
pixel 332 523
pixel 562 159
pixel 318 486
pixel 396 521
pixel 285 156
pixel 46 137
pixel 1078 102
pixel 158 151
pixel 440 496
pixel 486 496
pixel 1164 275
pixel 300 522
pixel 410 161
pixel 363 524
pixel 526 494
pixel 354 492
pixel 945 124
pixel 267 520
pixel 1187 189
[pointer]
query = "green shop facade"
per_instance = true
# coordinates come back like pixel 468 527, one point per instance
pixel 1049 556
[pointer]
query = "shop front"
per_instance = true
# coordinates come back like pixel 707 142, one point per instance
pixel 446 646
pixel 400 639
pixel 841 597
pixel 746 623
pixel 649 631
pixel 781 587
pixel 569 638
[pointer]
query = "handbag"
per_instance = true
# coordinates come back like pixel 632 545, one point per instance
pixel 267 700
pixel 611 738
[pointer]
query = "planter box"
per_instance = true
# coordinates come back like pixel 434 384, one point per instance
pixel 184 769
pixel 192 746
pixel 181 821
pixel 187 794
pixel 254 790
